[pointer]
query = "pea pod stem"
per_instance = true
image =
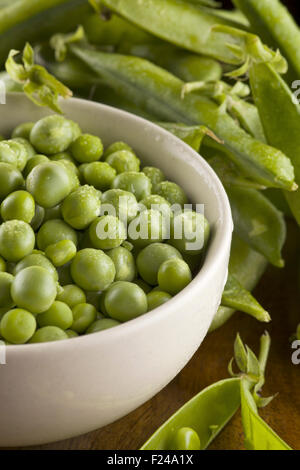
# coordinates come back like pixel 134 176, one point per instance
pixel 159 93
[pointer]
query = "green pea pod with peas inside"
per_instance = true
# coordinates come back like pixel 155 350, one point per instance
pixel 36 20
pixel 159 93
pixel 275 25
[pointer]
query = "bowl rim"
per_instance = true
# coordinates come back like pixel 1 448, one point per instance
pixel 220 242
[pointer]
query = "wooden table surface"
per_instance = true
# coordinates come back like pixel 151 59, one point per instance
pixel 279 293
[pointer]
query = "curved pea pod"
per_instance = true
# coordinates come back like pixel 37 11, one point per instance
pixel 237 297
pixel 247 266
pixel 280 115
pixel 159 93
pixel 258 222
pixel 189 26
pixel 36 20
pixel 277 28
pixel 207 414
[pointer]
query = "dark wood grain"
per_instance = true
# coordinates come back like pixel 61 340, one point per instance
pixel 279 292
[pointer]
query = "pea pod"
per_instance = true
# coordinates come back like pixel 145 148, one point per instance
pixel 258 222
pixel 247 266
pixel 277 28
pixel 159 93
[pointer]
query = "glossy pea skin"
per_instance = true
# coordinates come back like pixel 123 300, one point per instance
pixel 107 232
pixel 49 183
pixel 133 182
pixel 101 325
pixel 36 259
pixel 156 299
pixel 150 259
pixel 34 289
pixel 81 207
pixel 6 280
pixel 11 179
pixel 53 231
pixel 174 275
pixel 7 155
pixel 123 160
pixel 116 147
pixel 83 316
pixel 23 130
pixel 18 205
pixel 155 175
pixel 99 174
pixel 92 270
pixel 17 326
pixel 172 192
pixel 124 264
pixel 122 203
pixel 58 314
pixel 87 148
pixel 125 301
pixel 33 162
pixel 16 240
pixel 52 134
pixel 148 227
pixel 189 232
pixel 47 334
pixel 186 439
pixel 72 295
pixel 61 252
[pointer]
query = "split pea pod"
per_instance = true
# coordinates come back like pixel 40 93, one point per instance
pixel 277 28
pixel 159 93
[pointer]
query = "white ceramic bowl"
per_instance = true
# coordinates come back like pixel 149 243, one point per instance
pixel 53 391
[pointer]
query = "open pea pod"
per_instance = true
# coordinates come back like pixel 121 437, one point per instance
pixel 159 93
pixel 277 28
pixel 207 414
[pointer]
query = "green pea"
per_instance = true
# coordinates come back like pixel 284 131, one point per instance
pixel 72 171
pixel 98 174
pixel 52 134
pixel 2 264
pixel 20 152
pixel 61 252
pixel 123 160
pixel 174 275
pixel 186 439
pixel 143 285
pixel 116 147
pixel 23 130
pixel 7 155
pixel 53 231
pixel 16 240
pixel 124 264
pixel 107 232
pixel 87 148
pixel 84 315
pixel 47 334
pixel 103 324
pixel 133 182
pixel 17 326
pixel 59 314
pixel 189 232
pixel 63 156
pixel 34 289
pixel 155 175
pixel 49 183
pixel 29 148
pixel 81 207
pixel 36 259
pixel 33 162
pixel 125 301
pixel 158 203
pixel 18 205
pixel 92 270
pixel 147 228
pixel 72 295
pixel 150 259
pixel 71 334
pixel 173 193
pixel 6 280
pixel 156 299
pixel 38 218
pixel 11 179
pixel 53 213
pixel 122 203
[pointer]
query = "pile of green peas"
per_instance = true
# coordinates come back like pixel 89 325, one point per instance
pixel 60 276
